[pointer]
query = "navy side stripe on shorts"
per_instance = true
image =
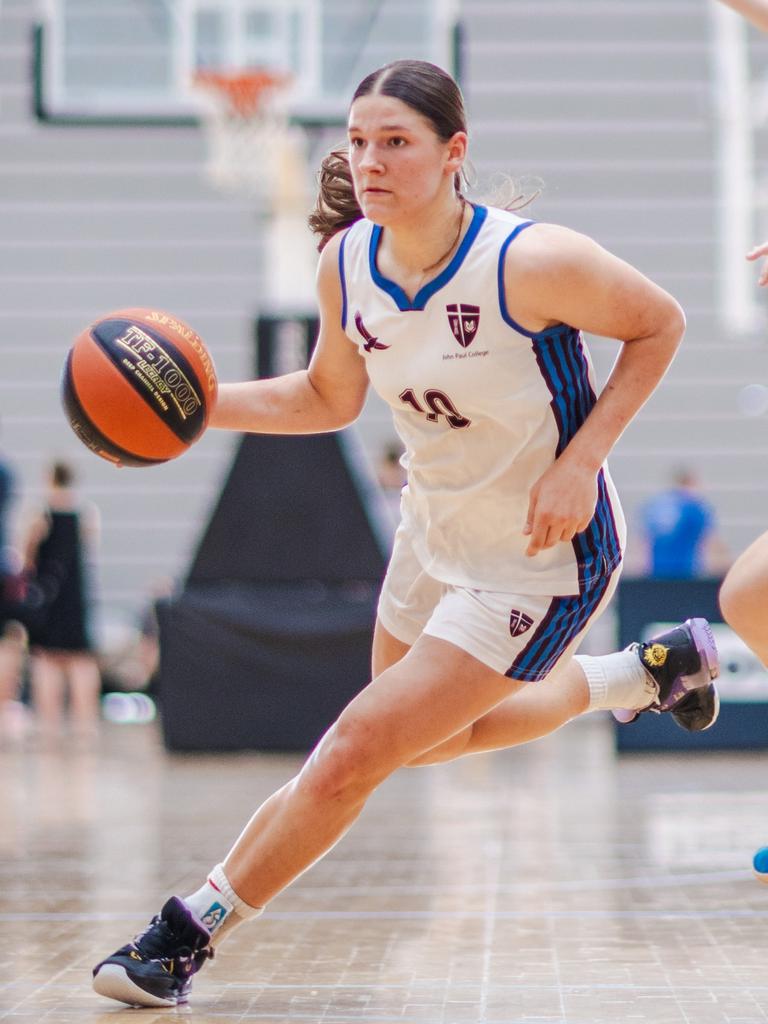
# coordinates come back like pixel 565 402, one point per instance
pixel 566 618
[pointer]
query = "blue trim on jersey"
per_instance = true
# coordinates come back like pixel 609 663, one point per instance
pixel 565 619
pixel 422 297
pixel 343 280
pixel 505 314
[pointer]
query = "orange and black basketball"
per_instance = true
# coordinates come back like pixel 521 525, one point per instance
pixel 138 386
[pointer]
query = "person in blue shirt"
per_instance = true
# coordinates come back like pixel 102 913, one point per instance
pixel 680 531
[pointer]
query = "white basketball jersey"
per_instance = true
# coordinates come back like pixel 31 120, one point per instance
pixel 483 408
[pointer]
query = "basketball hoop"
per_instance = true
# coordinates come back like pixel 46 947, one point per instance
pixel 246 121
pixel 253 149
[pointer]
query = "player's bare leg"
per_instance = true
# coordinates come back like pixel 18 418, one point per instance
pixel 535 710
pixel 674 673
pixel 433 692
pixel 430 694
pixel 744 604
pixel 744 597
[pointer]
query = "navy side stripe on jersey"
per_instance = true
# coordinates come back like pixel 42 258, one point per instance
pixel 560 356
pixel 343 280
pixel 565 619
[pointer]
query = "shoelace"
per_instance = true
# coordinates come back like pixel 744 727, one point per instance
pixel 158 941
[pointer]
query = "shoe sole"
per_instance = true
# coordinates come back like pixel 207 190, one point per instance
pixel 701 632
pixel 680 718
pixel 113 982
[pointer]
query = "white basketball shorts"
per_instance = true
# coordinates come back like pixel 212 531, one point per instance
pixel 523 636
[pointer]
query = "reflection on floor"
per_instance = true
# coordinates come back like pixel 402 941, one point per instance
pixel 555 884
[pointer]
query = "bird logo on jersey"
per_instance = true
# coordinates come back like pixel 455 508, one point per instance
pixel 519 622
pixel 464 320
pixel 370 342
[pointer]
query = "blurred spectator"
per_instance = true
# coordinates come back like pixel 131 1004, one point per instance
pixel 13 648
pixel 12 635
pixel 131 664
pixel 679 529
pixel 6 495
pixel 391 475
pixel 63 667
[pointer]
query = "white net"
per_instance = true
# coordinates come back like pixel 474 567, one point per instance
pixel 252 148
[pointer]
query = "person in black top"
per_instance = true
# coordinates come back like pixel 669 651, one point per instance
pixel 62 658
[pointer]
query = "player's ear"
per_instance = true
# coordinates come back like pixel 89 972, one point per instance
pixel 457 151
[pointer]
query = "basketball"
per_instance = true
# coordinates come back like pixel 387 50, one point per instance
pixel 138 386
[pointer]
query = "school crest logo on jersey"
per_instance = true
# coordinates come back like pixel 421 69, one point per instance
pixel 464 320
pixel 519 622
pixel 370 342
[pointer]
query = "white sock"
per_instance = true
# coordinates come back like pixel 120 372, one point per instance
pixel 617 681
pixel 219 907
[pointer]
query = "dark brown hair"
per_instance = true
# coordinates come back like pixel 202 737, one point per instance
pixel 425 88
pixel 62 474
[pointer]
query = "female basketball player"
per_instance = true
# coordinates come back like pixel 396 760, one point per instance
pixel 467 320
pixel 744 593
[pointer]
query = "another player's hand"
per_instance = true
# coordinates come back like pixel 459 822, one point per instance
pixel 561 504
pixel 757 252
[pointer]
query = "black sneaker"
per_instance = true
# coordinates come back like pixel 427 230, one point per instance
pixel 682 663
pixel 156 968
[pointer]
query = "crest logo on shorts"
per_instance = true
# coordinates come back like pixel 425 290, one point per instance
pixel 464 320
pixel 370 342
pixel 519 622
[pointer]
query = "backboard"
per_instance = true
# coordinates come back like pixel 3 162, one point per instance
pixel 133 61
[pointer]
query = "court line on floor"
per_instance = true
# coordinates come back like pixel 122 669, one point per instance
pixel 423 915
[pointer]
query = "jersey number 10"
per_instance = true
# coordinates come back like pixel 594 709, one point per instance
pixel 437 404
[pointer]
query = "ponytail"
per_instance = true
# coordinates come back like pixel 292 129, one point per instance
pixel 336 206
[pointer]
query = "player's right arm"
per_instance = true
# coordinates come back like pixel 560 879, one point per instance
pixel 755 11
pixel 326 396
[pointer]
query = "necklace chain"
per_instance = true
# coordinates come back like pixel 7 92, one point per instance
pixel 452 246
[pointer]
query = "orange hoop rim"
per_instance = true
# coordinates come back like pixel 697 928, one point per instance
pixel 244 90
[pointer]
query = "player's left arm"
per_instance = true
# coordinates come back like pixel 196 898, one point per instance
pixel 554 275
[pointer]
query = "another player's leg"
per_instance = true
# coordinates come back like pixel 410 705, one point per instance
pixel 435 691
pixel 744 604
pixel 744 597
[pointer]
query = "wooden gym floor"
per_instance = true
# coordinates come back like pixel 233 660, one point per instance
pixel 553 884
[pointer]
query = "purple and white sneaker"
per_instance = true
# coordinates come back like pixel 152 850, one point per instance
pixel 682 663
